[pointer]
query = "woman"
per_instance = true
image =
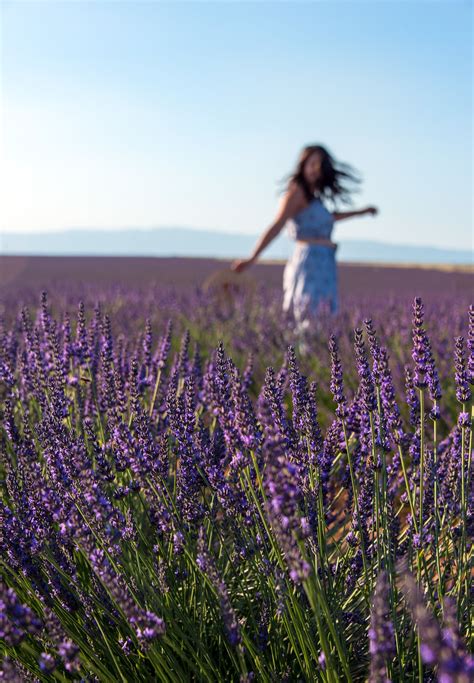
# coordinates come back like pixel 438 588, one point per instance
pixel 310 275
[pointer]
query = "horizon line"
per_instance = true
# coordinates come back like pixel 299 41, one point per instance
pixel 63 231
pixel 448 267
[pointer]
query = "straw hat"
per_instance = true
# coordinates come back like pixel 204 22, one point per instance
pixel 226 284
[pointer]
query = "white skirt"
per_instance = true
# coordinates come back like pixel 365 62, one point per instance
pixel 310 281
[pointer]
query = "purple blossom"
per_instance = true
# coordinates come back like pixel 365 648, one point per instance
pixel 146 624
pixel 47 663
pixel 68 651
pixel 381 632
pixel 420 352
pixel 309 447
pixel 17 620
pixel 463 390
pixel 412 397
pixel 207 565
pixel 322 661
pixel 337 386
pixel 283 504
pixel 113 453
pixel 470 345
pixel 366 379
pixel 438 648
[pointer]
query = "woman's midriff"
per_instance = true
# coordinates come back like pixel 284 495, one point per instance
pixel 321 241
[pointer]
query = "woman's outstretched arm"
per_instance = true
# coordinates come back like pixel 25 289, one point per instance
pixel 339 216
pixel 292 202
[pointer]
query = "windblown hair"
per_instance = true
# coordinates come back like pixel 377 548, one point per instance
pixel 329 185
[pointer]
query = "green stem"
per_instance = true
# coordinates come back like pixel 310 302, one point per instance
pixel 422 458
pixel 355 493
pixel 155 391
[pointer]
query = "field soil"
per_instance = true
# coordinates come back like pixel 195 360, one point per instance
pixel 354 278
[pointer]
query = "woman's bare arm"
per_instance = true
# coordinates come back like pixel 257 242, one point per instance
pixel 339 216
pixel 292 202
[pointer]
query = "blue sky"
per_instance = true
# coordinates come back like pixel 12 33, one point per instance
pixel 118 114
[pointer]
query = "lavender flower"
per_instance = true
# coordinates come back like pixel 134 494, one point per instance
pixel 470 345
pixel 411 397
pixel 284 496
pixel 114 453
pixel 464 669
pixel 12 672
pixel 305 422
pixel 207 565
pixel 420 352
pixel 47 663
pixel 463 390
pixel 366 379
pixel 16 619
pixel 437 648
pixel 381 632
pixel 279 426
pixel 147 625
pixel 147 343
pixel 337 386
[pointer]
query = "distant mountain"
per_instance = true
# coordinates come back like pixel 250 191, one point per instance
pixel 189 242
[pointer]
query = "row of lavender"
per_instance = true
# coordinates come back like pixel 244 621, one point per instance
pixel 259 328
pixel 167 516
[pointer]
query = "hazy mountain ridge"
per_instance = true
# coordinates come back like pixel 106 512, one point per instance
pixel 192 242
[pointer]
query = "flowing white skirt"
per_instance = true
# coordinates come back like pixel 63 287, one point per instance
pixel 310 281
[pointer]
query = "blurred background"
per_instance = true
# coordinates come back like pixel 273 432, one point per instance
pixel 165 128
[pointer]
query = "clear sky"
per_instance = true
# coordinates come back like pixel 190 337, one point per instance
pixel 120 114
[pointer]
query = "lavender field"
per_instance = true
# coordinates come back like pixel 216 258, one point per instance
pixel 192 492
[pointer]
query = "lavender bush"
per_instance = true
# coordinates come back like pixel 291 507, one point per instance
pixel 180 501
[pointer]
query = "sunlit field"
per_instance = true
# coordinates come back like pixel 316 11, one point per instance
pixel 190 491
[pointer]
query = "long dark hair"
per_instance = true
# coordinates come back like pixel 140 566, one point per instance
pixel 329 183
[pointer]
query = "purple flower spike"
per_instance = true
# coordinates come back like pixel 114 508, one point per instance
pixel 16 619
pixel 337 386
pixel 365 374
pixel 283 503
pixel 381 632
pixel 411 397
pixel 470 346
pixel 440 648
pixel 463 390
pixel 47 663
pixel 207 564
pixel 420 352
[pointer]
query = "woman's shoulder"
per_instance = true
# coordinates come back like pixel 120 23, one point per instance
pixel 296 195
pixel 295 188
